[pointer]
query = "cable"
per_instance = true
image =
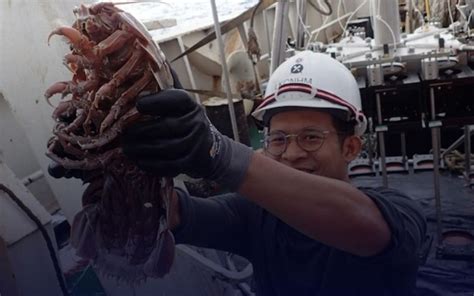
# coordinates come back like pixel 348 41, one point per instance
pixel 415 7
pixel 337 14
pixel 469 22
pixel 326 2
pixel 326 24
pixel 467 18
pixel 391 31
pixel 461 12
pixel 450 12
pixel 46 237
pixel 305 27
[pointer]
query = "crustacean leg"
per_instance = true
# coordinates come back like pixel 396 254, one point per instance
pixel 94 116
pixel 60 146
pixel 78 60
pixel 69 149
pixel 125 99
pixel 65 109
pixel 119 77
pixel 112 43
pixel 68 137
pixel 77 123
pixel 118 59
pixel 93 120
pixel 110 134
pixel 62 87
pixel 88 164
pixel 77 40
pixel 85 86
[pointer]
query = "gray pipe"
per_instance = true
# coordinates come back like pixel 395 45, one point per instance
pixel 280 34
pixel 301 6
pixel 228 90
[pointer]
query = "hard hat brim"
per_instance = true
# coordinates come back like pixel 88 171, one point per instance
pixel 313 104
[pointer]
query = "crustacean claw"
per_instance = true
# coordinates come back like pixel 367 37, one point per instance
pixel 74 36
pixel 62 87
pixel 124 100
pixel 77 41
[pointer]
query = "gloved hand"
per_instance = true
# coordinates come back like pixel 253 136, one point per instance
pixel 57 171
pixel 179 138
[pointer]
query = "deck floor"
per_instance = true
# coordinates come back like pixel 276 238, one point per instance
pixel 438 276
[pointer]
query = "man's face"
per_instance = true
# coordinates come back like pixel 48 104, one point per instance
pixel 330 160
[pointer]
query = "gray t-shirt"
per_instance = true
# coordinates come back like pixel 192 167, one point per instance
pixel 287 262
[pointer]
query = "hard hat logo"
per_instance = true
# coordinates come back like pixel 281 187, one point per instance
pixel 301 80
pixel 298 68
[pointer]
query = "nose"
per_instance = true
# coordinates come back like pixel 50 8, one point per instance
pixel 293 151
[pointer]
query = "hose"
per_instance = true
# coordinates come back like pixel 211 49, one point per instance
pixel 46 237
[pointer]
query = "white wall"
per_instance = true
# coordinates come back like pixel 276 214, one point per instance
pixel 28 67
pixel 13 144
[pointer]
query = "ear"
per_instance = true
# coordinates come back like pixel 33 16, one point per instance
pixel 351 148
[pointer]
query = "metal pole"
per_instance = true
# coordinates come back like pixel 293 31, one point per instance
pixel 408 16
pixel 435 131
pixel 267 32
pixel 467 152
pixel 280 34
pixel 403 143
pixel 226 72
pixel 386 21
pixel 383 163
pixel 300 24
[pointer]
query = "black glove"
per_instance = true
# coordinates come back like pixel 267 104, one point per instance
pixel 180 139
pixel 57 171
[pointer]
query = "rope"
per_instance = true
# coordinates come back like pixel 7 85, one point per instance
pixel 455 161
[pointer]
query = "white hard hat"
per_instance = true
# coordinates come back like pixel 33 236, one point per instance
pixel 314 80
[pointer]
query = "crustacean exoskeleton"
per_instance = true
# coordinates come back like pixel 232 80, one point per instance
pixel 123 226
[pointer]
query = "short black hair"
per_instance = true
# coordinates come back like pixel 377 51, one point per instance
pixel 343 128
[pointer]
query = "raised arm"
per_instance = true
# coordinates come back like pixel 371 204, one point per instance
pixel 328 210
pixel 180 139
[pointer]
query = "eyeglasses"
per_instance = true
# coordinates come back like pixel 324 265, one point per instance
pixel 310 140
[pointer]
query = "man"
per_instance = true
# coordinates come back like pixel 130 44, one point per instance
pixel 294 214
pixel 292 211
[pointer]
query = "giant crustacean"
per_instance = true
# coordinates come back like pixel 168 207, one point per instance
pixel 123 226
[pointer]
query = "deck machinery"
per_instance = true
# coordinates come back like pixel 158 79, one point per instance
pixel 417 94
